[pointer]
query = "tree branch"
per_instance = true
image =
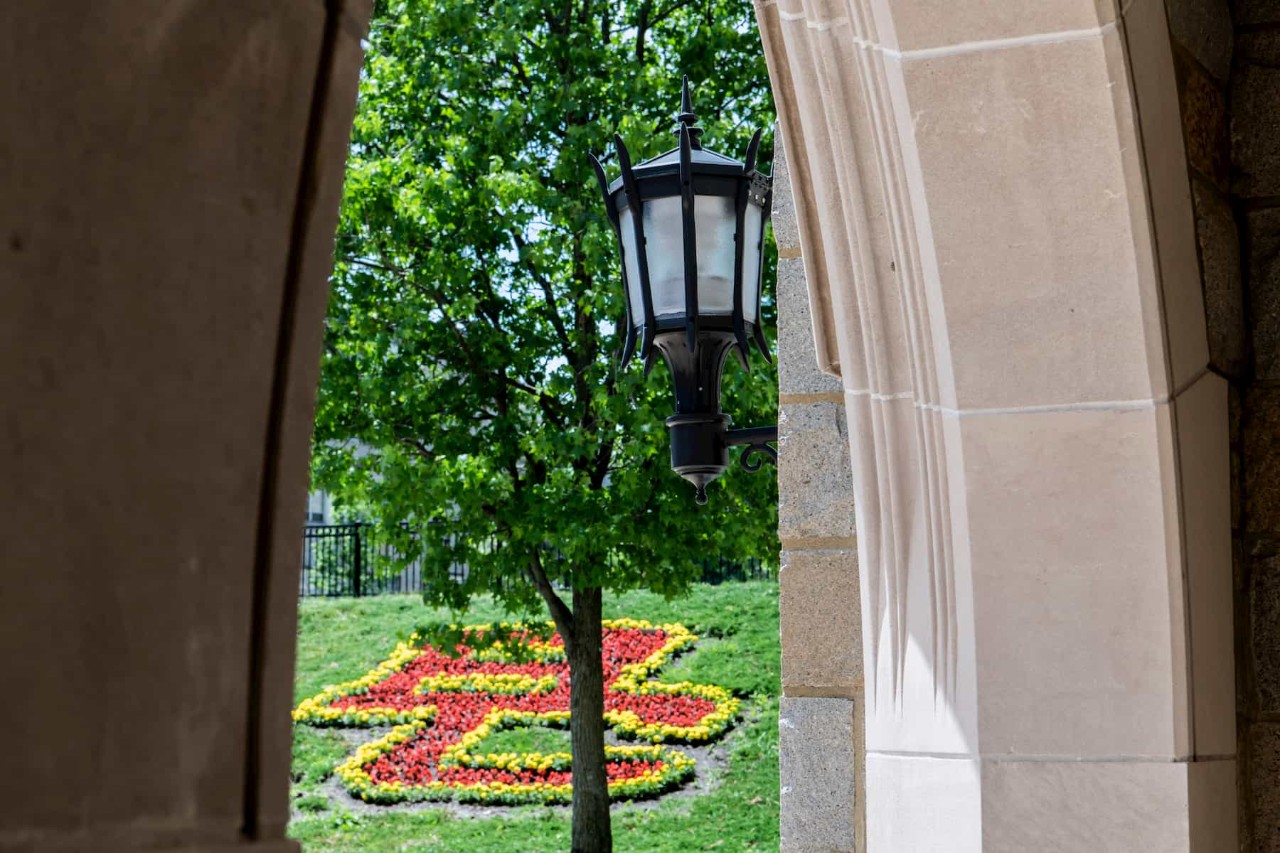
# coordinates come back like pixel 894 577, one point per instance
pixel 550 405
pixel 549 299
pixel 584 329
pixel 642 26
pixel 554 23
pixel 419 446
pixel 518 67
pixel 457 331
pixel 490 308
pixel 360 262
pixel 560 612
pixel 604 455
pixel 668 12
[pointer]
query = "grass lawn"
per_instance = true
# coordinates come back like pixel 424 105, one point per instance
pixel 737 623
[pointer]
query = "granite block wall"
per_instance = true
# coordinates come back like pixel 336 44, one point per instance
pixel 821 723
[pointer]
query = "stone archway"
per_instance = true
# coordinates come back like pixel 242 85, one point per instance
pixel 171 179
pixel 994 217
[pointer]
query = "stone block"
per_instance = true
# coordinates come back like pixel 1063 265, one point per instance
pixel 293 453
pixel 1219 243
pixel 1204 122
pixel 821 621
pixel 152 200
pixel 798 371
pixel 358 12
pixel 1261 457
pixel 1262 228
pixel 924 803
pixel 1264 616
pixel 1071 566
pixel 1236 498
pixel 1264 778
pixel 1255 121
pixel 786 230
pixel 926 25
pixel 1204 482
pixel 1234 413
pixel 155 235
pixel 1251 12
pixel 1213 807
pixel 1106 807
pixel 1010 167
pixel 818 752
pixel 1203 28
pixel 1146 60
pixel 815 480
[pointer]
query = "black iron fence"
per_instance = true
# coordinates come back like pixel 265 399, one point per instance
pixel 353 559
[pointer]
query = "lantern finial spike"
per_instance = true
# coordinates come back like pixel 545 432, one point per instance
pixel 603 180
pixel 752 148
pixel 687 118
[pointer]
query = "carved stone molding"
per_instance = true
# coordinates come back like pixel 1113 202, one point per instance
pixel 995 226
pixel 881 332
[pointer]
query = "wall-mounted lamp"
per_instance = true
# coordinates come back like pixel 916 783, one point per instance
pixel 690 224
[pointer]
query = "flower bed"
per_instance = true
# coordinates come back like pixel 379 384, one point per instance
pixel 445 706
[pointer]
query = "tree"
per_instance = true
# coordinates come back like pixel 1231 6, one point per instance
pixel 471 391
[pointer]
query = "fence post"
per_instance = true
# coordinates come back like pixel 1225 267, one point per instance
pixel 358 566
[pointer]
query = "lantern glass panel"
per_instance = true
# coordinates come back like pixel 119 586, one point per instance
pixel 752 252
pixel 664 245
pixel 716 222
pixel 631 266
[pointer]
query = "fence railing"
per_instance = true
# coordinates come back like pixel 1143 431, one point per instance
pixel 354 560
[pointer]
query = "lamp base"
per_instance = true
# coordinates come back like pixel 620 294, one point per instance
pixel 699 452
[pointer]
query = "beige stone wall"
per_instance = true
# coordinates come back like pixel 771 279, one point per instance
pixel 169 188
pixel 1000 249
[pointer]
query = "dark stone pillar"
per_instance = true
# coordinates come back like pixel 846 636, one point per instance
pixel 169 181
pixel 1253 96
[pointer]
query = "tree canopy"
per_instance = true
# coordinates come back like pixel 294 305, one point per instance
pixel 471 398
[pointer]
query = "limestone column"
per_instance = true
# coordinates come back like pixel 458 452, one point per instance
pixel 169 182
pixel 996 228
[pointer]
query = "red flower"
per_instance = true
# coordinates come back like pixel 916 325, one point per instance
pixel 635 706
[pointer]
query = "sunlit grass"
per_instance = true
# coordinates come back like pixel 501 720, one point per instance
pixel 738 622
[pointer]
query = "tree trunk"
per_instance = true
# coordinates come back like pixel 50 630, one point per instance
pixel 591 830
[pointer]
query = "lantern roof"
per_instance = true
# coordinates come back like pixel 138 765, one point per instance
pixel 668 163
pixel 702 160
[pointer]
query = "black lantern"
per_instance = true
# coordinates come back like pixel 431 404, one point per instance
pixel 690 224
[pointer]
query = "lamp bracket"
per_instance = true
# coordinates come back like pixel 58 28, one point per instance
pixel 756 449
